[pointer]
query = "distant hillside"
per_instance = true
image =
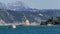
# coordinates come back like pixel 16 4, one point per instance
pixel 17 16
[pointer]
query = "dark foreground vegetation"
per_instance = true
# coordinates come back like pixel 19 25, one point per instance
pixel 51 21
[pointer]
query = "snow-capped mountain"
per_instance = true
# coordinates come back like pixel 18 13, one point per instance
pixel 18 6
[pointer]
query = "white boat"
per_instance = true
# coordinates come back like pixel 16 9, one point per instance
pixel 13 26
pixel 49 24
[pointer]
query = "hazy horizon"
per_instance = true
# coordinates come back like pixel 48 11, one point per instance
pixel 39 4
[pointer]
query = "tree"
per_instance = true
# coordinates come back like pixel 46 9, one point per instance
pixel 58 18
pixel 57 21
pixel 50 21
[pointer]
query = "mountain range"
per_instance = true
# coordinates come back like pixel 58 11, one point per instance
pixel 15 12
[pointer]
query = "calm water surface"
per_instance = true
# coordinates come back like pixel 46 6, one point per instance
pixel 30 30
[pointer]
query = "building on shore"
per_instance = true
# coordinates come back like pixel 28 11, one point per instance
pixel 25 21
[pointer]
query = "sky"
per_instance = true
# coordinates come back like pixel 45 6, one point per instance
pixel 39 4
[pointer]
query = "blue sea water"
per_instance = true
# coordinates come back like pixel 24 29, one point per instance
pixel 30 30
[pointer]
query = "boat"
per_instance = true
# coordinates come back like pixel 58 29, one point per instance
pixel 13 26
pixel 49 24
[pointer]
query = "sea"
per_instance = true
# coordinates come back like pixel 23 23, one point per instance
pixel 30 30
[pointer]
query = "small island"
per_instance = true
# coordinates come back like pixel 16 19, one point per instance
pixel 51 21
